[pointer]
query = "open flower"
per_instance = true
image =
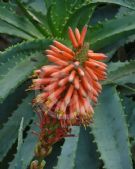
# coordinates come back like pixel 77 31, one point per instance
pixel 70 85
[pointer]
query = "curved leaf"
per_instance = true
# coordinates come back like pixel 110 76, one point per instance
pixel 126 3
pixel 129 105
pixel 79 152
pixel 110 31
pixel 19 22
pixel 111 132
pixel 25 62
pixel 9 132
pixel 11 30
pixel 121 73
pixel 68 153
pixel 26 152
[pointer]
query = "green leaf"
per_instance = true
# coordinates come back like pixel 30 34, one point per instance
pixel 110 131
pixel 26 13
pixel 80 17
pixel 72 13
pixel 129 105
pixel 19 22
pixel 41 19
pixel 48 3
pixel 21 66
pixel 79 152
pixel 26 153
pixel 39 6
pixel 110 31
pixel 9 132
pixel 68 154
pixel 9 29
pixel 126 3
pixel 121 73
pixel 86 155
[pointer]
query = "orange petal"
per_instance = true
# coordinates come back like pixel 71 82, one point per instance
pixel 98 62
pixel 101 76
pixel 63 81
pixel 93 65
pixel 57 53
pixel 64 71
pixel 81 91
pixel 43 81
pixel 83 34
pixel 67 55
pixel 68 95
pixel 85 83
pixel 80 71
pixel 85 103
pixel 97 86
pixel 82 109
pixel 47 70
pixel 57 61
pixel 100 72
pixel 63 47
pixel 97 56
pixel 76 82
pixel 92 97
pixel 76 101
pixel 91 73
pixel 91 109
pixel 56 93
pixel 90 51
pixel 51 87
pixel 72 76
pixel 72 38
pixel 77 34
pixel 54 49
pixel 51 52
pixel 71 112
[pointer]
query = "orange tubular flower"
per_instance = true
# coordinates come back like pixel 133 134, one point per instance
pixel 71 84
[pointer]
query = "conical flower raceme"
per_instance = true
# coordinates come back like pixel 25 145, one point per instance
pixel 71 84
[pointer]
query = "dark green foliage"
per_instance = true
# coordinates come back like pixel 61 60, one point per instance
pixel 110 131
pixel 106 143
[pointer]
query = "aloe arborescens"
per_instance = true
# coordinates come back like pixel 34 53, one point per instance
pixel 67 87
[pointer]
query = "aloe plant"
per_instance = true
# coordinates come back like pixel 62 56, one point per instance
pixel 107 142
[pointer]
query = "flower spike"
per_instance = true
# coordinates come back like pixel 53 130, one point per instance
pixel 70 86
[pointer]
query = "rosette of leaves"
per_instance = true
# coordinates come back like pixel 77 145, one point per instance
pixel 108 142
